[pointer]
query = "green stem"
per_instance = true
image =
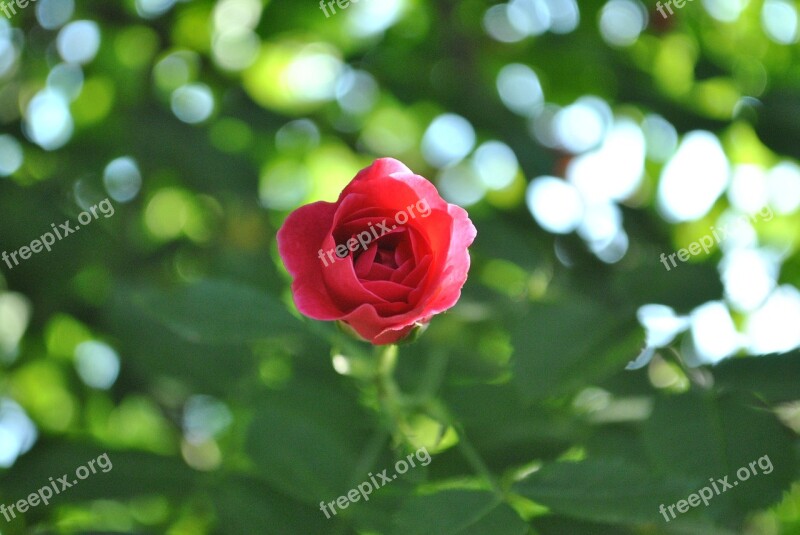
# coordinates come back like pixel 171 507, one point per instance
pixel 387 361
pixel 389 395
pixel 477 463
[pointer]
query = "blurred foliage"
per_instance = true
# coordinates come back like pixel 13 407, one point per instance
pixel 205 122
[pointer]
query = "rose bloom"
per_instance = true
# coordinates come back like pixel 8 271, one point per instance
pixel 384 258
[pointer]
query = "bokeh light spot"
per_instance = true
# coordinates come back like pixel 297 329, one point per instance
pixel 48 120
pixel 496 165
pixel 150 9
pixel 555 204
pixel 17 432
pixel 52 14
pixel 448 140
pixel 122 179
pixel 11 155
pixel 779 18
pixel 694 178
pixel 79 41
pixel 520 90
pixel 461 184
pixel 193 103
pixel 622 21
pixel 97 364
pixel 67 79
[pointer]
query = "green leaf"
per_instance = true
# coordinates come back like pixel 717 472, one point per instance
pixel 217 312
pixel 650 282
pixel 131 473
pixel 301 445
pixel 458 512
pixel 246 505
pixel 559 525
pixel 773 378
pixel 603 490
pixel 560 348
pixel 153 350
pixel 711 437
pixel 505 430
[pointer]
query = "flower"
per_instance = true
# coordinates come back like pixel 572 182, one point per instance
pixel 384 258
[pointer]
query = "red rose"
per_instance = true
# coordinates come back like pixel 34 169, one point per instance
pixel 387 256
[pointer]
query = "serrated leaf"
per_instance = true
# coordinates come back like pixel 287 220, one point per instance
pixel 773 377
pixel 616 491
pixel 709 437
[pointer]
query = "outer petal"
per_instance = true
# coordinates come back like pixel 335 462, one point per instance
pixel 299 240
pixel 380 168
pixel 458 262
pixel 390 184
pixel 368 324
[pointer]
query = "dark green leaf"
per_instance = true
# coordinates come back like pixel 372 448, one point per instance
pixel 774 377
pixel 559 348
pixel 603 490
pixel 300 447
pixel 458 512
pixel 217 312
pixel 710 437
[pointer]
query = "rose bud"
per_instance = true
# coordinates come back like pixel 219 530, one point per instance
pixel 383 259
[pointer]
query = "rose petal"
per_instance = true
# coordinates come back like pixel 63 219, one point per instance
pixel 365 262
pixel 399 274
pixel 404 188
pixel 367 323
pixel 379 272
pixel 345 287
pixel 388 290
pixel 299 240
pixel 415 277
pixel 458 262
